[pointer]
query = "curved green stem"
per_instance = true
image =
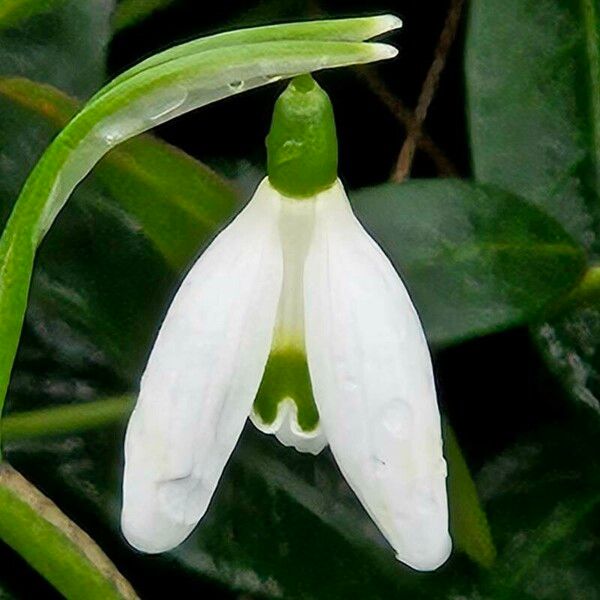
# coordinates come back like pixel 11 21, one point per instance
pixel 156 91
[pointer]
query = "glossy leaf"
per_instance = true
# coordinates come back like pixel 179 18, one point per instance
pixel 475 259
pixel 61 42
pixel 533 85
pixel 533 74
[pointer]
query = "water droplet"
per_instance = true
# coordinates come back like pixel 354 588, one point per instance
pixel 170 102
pixel 112 132
pixel 111 138
pixel 236 86
pixel 398 418
pixel 271 78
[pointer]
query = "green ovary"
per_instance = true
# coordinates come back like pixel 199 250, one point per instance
pixel 286 376
pixel 302 153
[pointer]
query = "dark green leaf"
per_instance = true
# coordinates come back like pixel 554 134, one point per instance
pixel 569 340
pixel 131 12
pixel 155 205
pixel 533 85
pixel 15 12
pixel 81 277
pixel 65 47
pixel 474 258
pixel 543 501
pixel 468 522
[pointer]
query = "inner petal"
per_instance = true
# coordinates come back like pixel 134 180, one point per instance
pixel 286 377
pixel 285 405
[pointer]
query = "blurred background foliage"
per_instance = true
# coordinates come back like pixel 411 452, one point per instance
pixel 496 235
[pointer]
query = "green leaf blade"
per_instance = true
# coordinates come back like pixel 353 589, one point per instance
pixel 475 259
pixel 61 42
pixel 469 526
pixel 534 113
pixel 131 12
pixel 533 83
pixel 14 12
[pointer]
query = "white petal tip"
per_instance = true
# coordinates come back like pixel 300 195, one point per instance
pixel 139 537
pixel 142 545
pixel 428 559
pixel 383 51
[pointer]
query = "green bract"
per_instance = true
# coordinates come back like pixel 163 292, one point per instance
pixel 302 144
pixel 157 90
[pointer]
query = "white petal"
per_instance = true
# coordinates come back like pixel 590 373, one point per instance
pixel 201 379
pixel 373 384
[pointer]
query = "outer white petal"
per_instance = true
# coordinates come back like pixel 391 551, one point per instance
pixel 373 384
pixel 201 379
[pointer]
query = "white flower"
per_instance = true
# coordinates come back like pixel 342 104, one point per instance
pixel 288 278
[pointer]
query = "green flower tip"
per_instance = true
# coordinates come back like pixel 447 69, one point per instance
pixel 286 376
pixel 302 143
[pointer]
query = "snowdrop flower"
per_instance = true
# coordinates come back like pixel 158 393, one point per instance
pixel 294 317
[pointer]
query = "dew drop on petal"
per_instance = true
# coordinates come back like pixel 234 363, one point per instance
pixel 236 86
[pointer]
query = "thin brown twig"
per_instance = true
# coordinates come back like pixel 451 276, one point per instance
pixel 443 164
pixel 430 85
